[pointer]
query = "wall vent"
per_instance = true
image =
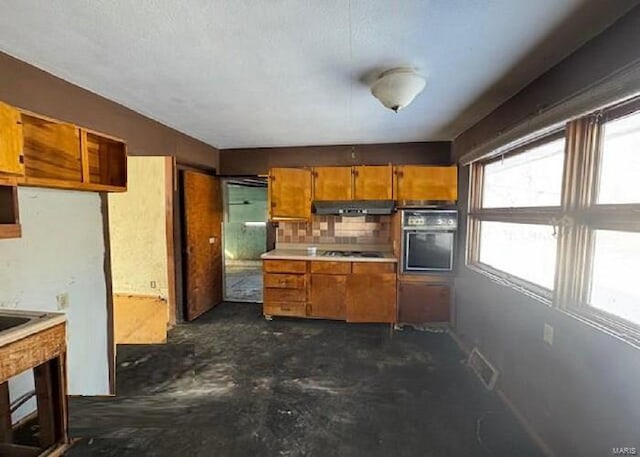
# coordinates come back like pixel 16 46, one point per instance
pixel 483 369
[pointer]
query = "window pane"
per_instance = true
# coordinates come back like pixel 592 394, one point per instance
pixel 620 170
pixel 615 274
pixel 523 250
pixel 532 178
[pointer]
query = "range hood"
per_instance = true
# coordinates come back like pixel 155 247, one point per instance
pixel 354 207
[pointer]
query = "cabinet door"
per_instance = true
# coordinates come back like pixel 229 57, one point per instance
pixel 332 183
pixel 373 183
pixel 290 193
pixel 328 294
pixel 416 182
pixel 423 303
pixel 371 298
pixel 11 141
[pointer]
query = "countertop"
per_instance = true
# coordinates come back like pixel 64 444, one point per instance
pixel 301 254
pixel 38 321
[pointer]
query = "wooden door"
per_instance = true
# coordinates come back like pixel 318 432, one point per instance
pixel 371 297
pixel 423 303
pixel 289 194
pixel 328 295
pixel 417 182
pixel 11 141
pixel 332 183
pixel 203 236
pixel 373 183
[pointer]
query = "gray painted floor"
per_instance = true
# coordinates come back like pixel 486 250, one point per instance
pixel 233 384
pixel 243 281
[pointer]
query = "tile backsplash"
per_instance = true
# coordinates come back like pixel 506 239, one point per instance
pixel 337 230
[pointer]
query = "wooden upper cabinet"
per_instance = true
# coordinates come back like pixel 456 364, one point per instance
pixel 289 194
pixel 373 182
pixel 44 152
pixel 332 183
pixel 104 160
pixel 419 182
pixel 51 151
pixel 9 219
pixel 11 144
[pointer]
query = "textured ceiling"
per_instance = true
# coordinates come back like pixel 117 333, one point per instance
pixel 244 73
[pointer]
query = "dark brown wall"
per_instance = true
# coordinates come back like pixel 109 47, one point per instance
pixel 27 87
pixel 581 394
pixel 605 55
pixel 257 161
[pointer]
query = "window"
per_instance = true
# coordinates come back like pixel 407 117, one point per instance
pixel 524 180
pixel 620 170
pixel 580 252
pixel 520 196
pixel 525 251
pixel 616 264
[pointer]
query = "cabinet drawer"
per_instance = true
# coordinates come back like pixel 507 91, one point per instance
pixel 284 309
pixel 284 266
pixel 373 267
pixel 284 281
pixel 331 268
pixel 280 295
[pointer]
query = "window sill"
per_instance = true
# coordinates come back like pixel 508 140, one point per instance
pixel 530 290
pixel 626 332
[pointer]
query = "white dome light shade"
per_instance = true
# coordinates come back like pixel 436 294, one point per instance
pixel 396 88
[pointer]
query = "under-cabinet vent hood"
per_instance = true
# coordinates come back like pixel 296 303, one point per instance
pixel 354 207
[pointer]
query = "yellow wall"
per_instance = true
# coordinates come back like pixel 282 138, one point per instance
pixel 137 230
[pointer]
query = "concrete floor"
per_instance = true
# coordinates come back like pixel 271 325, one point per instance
pixel 243 281
pixel 233 384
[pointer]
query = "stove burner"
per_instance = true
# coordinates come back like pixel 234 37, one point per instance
pixel 373 255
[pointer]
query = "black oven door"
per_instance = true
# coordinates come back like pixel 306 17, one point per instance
pixel 428 251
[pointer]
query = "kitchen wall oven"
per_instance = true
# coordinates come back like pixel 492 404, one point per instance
pixel 428 240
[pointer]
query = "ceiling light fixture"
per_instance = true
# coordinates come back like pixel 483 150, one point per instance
pixel 396 88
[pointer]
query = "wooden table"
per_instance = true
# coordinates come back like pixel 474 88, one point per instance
pixel 39 345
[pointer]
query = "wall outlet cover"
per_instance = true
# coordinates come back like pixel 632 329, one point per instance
pixel 548 334
pixel 153 284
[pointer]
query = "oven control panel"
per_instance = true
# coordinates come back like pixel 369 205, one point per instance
pixel 430 219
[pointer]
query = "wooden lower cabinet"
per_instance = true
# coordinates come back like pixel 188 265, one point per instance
pixel 355 292
pixel 421 303
pixel 285 288
pixel 371 298
pixel 327 296
pixel 293 309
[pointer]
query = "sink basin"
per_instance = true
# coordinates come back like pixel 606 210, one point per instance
pixel 7 322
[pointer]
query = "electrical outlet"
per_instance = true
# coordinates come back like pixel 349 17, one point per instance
pixel 63 300
pixel 153 284
pixel 548 334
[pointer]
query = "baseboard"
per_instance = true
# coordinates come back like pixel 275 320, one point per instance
pixel 546 450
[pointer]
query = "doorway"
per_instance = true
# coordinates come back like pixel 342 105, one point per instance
pixel 245 238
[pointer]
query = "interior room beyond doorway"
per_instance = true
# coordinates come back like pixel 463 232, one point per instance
pixel 245 238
